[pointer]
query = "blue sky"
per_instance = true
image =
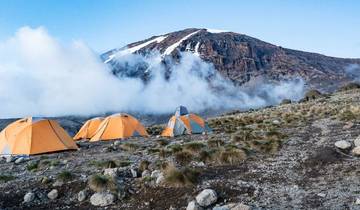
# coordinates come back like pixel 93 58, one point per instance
pixel 325 26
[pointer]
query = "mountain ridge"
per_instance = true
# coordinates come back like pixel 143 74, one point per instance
pixel 241 58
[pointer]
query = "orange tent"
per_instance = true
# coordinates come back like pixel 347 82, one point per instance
pixel 119 126
pixel 31 136
pixel 183 122
pixel 89 128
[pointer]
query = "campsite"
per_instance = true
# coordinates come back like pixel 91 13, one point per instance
pixel 274 162
pixel 179 105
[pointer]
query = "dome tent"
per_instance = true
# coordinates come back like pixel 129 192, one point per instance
pixel 88 130
pixel 184 122
pixel 118 126
pixel 30 136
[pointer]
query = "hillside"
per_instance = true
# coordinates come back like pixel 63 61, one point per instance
pixel 273 158
pixel 241 58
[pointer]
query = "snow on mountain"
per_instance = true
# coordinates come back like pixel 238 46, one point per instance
pixel 172 47
pixel 135 48
pixel 216 31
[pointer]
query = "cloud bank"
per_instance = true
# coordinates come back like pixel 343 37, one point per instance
pixel 41 77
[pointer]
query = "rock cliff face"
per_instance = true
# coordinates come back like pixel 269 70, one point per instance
pixel 242 58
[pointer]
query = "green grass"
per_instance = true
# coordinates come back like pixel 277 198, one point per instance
pixel 6 178
pixel 65 176
pixel 32 166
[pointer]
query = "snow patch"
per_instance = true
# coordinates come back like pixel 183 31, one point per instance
pixel 172 47
pixel 216 31
pixel 196 50
pixel 135 48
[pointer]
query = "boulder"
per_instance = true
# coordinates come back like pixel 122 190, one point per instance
pixel 192 205
pixel 53 194
pixel 81 196
pixel 357 141
pixel 102 199
pixel 342 144
pixel 206 198
pixel 356 151
pixel 30 196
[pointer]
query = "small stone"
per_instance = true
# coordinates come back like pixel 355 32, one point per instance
pixel 29 197
pixel 357 141
pixel 19 160
pixel 45 180
pixel 134 173
pixel 145 173
pixel 342 144
pixel 81 196
pixel 206 197
pixel 323 195
pixel 155 174
pixel 192 205
pixel 348 125
pixel 53 194
pixel 160 179
pixel 276 122
pixel 117 143
pixel 111 172
pixel 9 159
pixel 102 199
pixel 238 206
pixel 357 201
pixel 58 183
pixel 356 151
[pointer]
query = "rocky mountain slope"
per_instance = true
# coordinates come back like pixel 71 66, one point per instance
pixel 292 156
pixel 242 58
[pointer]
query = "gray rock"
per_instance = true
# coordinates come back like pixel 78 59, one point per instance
pixel 9 159
pixel 155 174
pixel 53 194
pixel 81 196
pixel 193 206
pixel 58 183
pixel 117 143
pixel 206 198
pixel 342 144
pixel 134 173
pixel 19 160
pixel 160 179
pixel 29 197
pixel 145 173
pixel 356 151
pixel 233 206
pixel 357 201
pixel 357 141
pixel 111 172
pixel 102 199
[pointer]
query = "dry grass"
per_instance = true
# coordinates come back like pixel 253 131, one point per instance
pixel 230 156
pixel 131 147
pixel 181 177
pixel 144 165
pixel 101 183
pixel 184 157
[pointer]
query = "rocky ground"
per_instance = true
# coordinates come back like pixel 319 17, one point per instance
pixel 292 156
